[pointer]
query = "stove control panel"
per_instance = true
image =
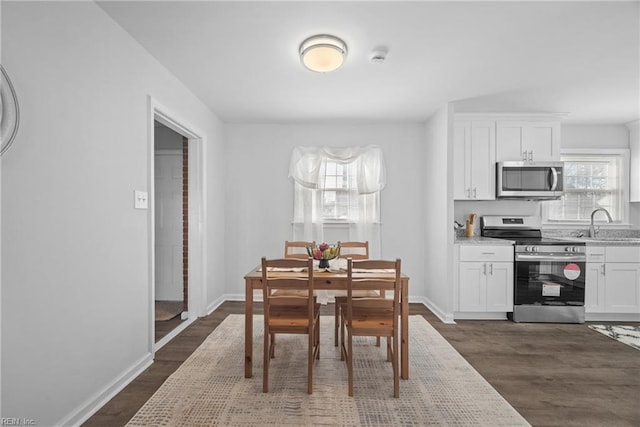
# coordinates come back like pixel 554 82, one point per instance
pixel 577 249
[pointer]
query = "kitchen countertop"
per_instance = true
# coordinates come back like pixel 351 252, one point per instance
pixel 603 241
pixel 479 240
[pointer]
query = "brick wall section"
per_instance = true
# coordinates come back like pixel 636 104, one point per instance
pixel 185 223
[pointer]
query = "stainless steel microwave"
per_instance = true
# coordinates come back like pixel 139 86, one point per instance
pixel 531 181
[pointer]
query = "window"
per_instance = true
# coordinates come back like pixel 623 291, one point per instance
pixel 592 180
pixel 337 187
pixel 339 196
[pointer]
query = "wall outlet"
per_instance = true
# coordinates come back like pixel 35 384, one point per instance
pixel 140 199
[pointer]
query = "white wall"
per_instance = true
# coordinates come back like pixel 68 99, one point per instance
pixel 259 198
pixel 75 254
pixel 438 208
pixel 594 136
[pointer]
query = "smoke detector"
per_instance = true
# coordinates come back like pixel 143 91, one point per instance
pixel 378 55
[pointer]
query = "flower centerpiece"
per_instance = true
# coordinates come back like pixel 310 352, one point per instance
pixel 323 252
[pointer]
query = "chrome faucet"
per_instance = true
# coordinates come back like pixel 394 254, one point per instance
pixel 592 229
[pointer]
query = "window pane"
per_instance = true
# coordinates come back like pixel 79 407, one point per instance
pixel 339 199
pixel 591 182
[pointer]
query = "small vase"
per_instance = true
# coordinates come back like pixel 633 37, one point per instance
pixel 324 263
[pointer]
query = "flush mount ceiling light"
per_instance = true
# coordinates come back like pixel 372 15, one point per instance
pixel 322 53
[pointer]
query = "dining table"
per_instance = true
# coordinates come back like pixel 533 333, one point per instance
pixel 331 281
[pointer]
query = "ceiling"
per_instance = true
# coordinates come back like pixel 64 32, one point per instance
pixel 241 58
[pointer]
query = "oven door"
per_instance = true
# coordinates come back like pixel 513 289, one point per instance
pixel 549 280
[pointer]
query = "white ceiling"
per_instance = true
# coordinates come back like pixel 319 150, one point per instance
pixel 241 58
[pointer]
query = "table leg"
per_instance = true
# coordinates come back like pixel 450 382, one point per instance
pixel 248 329
pixel 404 332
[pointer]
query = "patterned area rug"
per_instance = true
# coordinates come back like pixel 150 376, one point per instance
pixel 210 389
pixel 629 335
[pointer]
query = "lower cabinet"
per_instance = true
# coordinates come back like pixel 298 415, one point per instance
pixel 485 279
pixel 613 280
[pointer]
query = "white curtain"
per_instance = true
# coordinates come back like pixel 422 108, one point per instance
pixel 307 171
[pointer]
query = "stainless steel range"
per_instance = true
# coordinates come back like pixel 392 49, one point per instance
pixel 549 274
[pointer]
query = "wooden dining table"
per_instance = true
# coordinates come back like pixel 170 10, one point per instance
pixel 325 280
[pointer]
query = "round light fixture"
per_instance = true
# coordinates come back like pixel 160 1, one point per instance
pixel 322 53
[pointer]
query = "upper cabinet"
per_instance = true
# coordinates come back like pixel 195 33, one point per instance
pixel 634 167
pixel 474 160
pixel 527 140
pixel 481 140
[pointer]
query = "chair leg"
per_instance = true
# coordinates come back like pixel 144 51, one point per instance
pixel 272 347
pixel 317 338
pixel 310 359
pixel 265 362
pixel 350 362
pixel 342 341
pixel 396 373
pixel 336 322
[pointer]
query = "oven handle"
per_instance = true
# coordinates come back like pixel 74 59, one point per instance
pixel 531 257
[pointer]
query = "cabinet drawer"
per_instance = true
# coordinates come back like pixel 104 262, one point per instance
pixel 623 254
pixel 486 253
pixel 595 253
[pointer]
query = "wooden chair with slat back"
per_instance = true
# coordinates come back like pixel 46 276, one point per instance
pixel 297 249
pixel 289 314
pixel 371 316
pixel 353 250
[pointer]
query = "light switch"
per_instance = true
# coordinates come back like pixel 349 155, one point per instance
pixel 141 199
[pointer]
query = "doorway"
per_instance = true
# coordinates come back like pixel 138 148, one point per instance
pixel 171 209
pixel 176 225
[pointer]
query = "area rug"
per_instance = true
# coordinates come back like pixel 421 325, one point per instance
pixel 167 310
pixel 629 335
pixel 210 389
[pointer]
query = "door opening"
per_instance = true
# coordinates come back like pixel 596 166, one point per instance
pixel 183 255
pixel 171 210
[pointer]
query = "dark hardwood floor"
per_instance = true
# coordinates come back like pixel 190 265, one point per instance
pixel 552 374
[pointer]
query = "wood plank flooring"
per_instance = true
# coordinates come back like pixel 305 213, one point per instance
pixel 552 374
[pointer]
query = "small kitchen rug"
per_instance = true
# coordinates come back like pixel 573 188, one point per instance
pixel 629 335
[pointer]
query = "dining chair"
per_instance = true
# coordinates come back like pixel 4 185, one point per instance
pixel 297 249
pixel 371 316
pixel 353 250
pixel 289 314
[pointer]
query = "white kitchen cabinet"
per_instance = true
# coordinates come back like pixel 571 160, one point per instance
pixel 485 278
pixel 634 161
pixel 474 160
pixel 527 140
pixel 613 280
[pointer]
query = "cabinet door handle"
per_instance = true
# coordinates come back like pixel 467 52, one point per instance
pixel 530 156
pixel 468 192
pixel 491 269
pixel 484 269
pixel 602 270
pixel 524 155
pixel 475 195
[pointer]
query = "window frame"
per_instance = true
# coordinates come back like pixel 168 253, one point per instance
pixel 623 154
pixel 348 176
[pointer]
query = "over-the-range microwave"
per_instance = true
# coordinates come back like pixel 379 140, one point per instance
pixel 529 180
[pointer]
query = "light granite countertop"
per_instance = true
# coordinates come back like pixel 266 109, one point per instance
pixel 479 240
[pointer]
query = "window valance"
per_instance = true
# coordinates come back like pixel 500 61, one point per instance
pixel 306 163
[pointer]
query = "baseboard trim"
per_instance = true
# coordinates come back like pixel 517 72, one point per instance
pixel 444 317
pixel 461 315
pixel 171 335
pixel 215 304
pixel 93 404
